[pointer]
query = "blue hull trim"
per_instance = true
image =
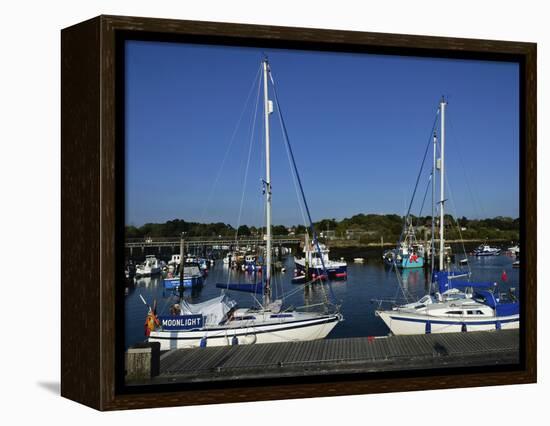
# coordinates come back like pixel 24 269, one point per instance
pixel 173 283
pixel 493 322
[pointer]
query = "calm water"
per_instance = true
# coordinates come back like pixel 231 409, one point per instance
pixel 365 282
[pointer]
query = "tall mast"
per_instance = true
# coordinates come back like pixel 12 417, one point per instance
pixel 434 165
pixel 267 110
pixel 442 106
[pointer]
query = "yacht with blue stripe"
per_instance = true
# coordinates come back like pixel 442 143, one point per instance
pixel 456 305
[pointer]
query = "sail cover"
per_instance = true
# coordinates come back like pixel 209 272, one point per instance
pixel 213 310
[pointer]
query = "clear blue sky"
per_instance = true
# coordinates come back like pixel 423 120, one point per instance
pixel 358 123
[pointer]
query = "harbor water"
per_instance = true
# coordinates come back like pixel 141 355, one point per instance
pixel 359 295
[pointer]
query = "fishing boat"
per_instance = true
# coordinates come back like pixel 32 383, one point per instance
pixel 409 254
pixel 219 321
pixel 486 250
pixel 316 262
pixel 456 305
pixel 192 277
pixel 150 267
pixel 405 257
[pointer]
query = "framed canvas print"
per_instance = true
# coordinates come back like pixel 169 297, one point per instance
pixel 255 212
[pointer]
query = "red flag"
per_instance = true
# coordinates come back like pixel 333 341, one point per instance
pixel 504 276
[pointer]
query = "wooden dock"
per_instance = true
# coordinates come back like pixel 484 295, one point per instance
pixel 345 355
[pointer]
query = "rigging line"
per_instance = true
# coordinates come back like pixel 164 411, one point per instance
pixel 296 177
pixel 425 195
pixel 420 171
pixel 478 205
pixel 286 138
pixel 253 127
pixel 416 184
pixel 456 221
pixel 294 181
pixel 231 141
pixel 429 144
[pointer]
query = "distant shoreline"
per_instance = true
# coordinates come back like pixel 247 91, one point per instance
pixel 337 243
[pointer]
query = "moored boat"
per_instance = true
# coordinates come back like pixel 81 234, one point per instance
pixel 150 267
pixel 486 250
pixel 219 322
pixel 316 263
pixel 192 277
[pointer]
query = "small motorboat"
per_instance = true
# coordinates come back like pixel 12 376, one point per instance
pixel 317 261
pixel 486 250
pixel 192 277
pixel 150 267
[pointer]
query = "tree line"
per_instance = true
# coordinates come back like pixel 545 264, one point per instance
pixel 363 227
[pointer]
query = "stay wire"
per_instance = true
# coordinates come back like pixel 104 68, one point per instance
pixel 287 140
pixel 231 142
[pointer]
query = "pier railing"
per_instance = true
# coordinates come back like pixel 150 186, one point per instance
pixel 214 242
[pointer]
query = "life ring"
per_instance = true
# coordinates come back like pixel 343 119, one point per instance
pixel 249 339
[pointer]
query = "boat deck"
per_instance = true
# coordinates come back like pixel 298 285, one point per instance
pixel 346 355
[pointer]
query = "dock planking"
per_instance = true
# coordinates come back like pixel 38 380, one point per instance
pixel 340 356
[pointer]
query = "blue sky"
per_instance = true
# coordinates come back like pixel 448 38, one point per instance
pixel 358 124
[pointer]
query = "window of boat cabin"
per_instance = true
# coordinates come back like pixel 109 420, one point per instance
pixel 245 318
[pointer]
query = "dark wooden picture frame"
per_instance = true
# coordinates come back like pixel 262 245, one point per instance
pixel 91 214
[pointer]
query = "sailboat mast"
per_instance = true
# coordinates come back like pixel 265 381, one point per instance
pixel 434 165
pixel 267 111
pixel 442 189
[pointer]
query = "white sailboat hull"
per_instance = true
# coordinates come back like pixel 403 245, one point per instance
pixel 290 331
pixel 401 323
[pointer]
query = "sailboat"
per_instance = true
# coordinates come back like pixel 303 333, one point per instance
pixel 219 321
pixel 456 305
